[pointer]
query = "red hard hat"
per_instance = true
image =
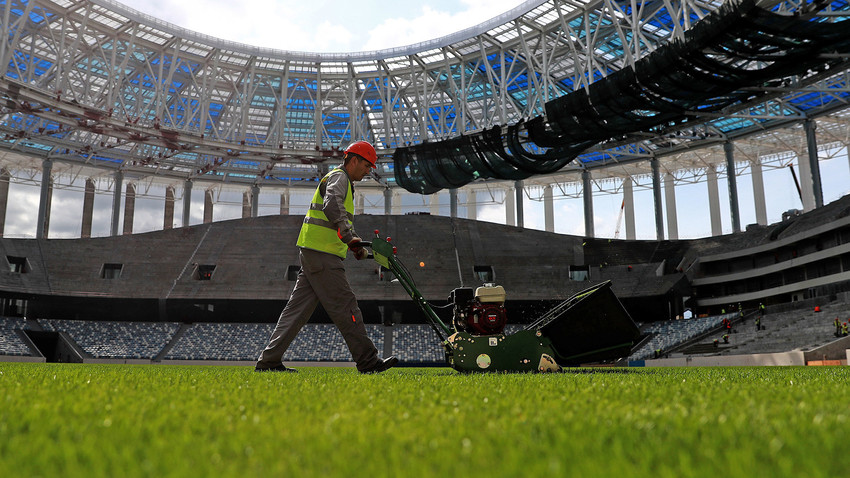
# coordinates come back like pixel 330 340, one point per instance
pixel 365 150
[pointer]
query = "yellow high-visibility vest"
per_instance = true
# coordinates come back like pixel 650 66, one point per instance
pixel 317 232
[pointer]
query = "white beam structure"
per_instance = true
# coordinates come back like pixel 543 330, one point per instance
pixel 434 204
pixel 670 202
pixel 284 202
pixel 471 204
pixel 713 201
pixel 587 199
pixel 168 209
pixel 732 182
pixel 629 207
pixel 814 168
pixel 519 191
pixel 510 207
pixel 95 88
pixel 129 208
pixel 116 202
pixel 187 202
pixel 88 208
pixel 209 205
pixel 656 199
pixel 548 209
pixel 758 192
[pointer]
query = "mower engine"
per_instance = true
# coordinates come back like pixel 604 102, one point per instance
pixel 481 312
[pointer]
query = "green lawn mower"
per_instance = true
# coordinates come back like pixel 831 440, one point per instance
pixel 589 327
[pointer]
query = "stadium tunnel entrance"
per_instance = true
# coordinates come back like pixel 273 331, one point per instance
pixel 55 347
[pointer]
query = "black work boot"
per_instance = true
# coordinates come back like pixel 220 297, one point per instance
pixel 382 365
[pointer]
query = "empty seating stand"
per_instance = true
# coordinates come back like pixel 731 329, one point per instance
pixel 10 342
pixel 417 343
pixel 670 333
pixel 244 342
pixel 119 340
pixel 217 341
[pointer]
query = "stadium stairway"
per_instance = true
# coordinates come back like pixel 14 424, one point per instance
pixel 174 339
pixel 800 329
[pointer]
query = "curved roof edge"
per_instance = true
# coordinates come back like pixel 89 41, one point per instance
pixel 266 52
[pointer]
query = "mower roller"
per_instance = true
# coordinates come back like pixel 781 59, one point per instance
pixel 589 327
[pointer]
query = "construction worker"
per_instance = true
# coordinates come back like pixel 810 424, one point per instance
pixel 325 238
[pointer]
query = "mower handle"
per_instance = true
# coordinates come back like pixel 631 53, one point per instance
pixel 363 244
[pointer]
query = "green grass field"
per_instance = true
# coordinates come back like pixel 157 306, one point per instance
pixel 60 420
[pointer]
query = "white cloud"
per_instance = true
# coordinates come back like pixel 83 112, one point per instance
pixel 431 23
pixel 323 25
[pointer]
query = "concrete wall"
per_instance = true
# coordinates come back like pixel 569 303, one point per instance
pixel 18 358
pixel 251 257
pixel 785 358
pixel 834 350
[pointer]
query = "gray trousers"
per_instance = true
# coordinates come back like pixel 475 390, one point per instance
pixel 321 279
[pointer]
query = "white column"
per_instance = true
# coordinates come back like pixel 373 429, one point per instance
pixel 548 208
pixel 732 181
pixel 388 202
pixel 129 208
pixel 168 210
pixel 209 207
pixel 806 182
pixel 471 204
pixel 5 177
pixel 713 201
pixel 453 203
pixel 396 210
pixel 434 204
pixel 629 208
pixel 758 193
pixel 187 202
pixel 116 202
pixel 361 204
pixel 670 200
pixel 814 167
pixel 255 200
pixel 88 208
pixel 656 199
pixel 510 207
pixel 587 194
pixel 519 193
pixel 246 204
pixel 284 203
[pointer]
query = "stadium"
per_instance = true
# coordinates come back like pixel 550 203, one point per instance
pixel 551 110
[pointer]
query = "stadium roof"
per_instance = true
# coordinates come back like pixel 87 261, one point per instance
pixel 538 93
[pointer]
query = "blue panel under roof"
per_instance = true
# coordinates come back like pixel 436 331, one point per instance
pixel 107 159
pixel 35 145
pixel 593 157
pixel 730 124
pixel 23 61
pixel 818 99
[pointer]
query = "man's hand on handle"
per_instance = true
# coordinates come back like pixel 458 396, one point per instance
pixel 360 252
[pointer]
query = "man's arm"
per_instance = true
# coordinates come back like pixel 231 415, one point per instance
pixel 334 205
